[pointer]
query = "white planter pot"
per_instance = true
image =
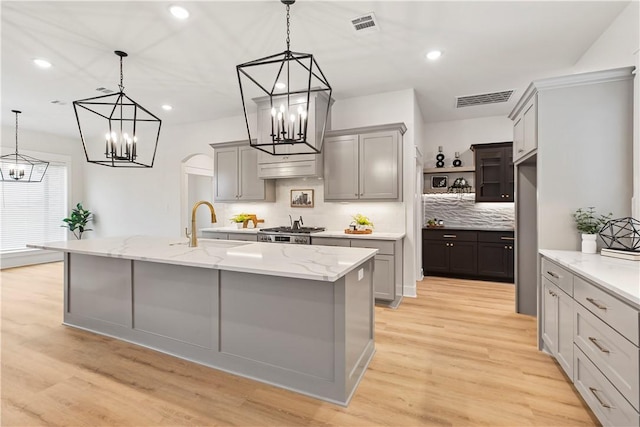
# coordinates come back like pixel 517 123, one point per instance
pixel 238 225
pixel 589 245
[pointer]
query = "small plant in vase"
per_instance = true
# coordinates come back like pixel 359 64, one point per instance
pixel 362 222
pixel 239 219
pixel 77 222
pixel 589 223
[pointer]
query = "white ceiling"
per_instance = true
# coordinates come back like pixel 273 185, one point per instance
pixel 488 46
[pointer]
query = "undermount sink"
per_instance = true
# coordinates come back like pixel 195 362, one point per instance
pixel 214 243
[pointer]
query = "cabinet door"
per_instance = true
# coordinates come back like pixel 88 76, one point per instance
pixel 435 256
pixel 564 352
pixel 245 237
pixel 490 175
pixel 341 168
pixel 508 174
pixel 518 138
pixel 226 174
pixel 550 315
pixel 330 241
pixel 463 257
pixel 493 260
pixel 379 161
pixel 384 277
pixel 530 134
pixel 251 188
pixel 214 235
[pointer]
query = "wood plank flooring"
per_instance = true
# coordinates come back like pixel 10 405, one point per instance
pixel 455 356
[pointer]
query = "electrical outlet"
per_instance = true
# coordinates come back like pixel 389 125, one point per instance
pixel 361 274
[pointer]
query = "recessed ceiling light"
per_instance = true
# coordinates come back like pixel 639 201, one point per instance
pixel 280 85
pixel 179 12
pixel 42 63
pixel 434 54
pixel 167 107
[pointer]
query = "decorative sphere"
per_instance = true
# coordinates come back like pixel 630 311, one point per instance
pixel 439 164
pixel 457 162
pixel 622 234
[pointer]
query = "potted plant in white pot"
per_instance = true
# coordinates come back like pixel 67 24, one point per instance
pixel 239 219
pixel 589 223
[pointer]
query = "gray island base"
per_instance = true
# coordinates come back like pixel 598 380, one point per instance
pixel 315 337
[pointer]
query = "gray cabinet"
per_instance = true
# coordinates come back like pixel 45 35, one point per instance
pixel 387 278
pixel 236 174
pixel 226 235
pixel 364 163
pixel 525 129
pixel 557 325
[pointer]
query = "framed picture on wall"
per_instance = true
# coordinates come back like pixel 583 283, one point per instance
pixel 438 182
pixel 302 198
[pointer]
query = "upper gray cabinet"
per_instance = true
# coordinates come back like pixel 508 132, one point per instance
pixel 364 163
pixel 236 174
pixel 525 127
pixel 288 165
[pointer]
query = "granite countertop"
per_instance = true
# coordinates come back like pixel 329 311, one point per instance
pixel 325 263
pixel 469 228
pixel 619 276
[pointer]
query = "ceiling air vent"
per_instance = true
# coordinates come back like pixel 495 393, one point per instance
pixel 483 99
pixel 104 90
pixel 365 24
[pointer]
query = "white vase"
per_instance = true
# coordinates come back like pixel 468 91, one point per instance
pixel 239 225
pixel 589 243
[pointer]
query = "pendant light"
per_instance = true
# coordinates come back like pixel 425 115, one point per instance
pixel 286 85
pixel 18 167
pixel 115 130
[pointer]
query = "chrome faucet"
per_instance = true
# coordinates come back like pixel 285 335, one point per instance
pixel 193 240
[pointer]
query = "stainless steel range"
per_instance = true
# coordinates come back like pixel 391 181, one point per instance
pixel 293 235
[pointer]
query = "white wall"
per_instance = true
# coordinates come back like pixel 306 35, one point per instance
pixel 459 135
pixel 617 47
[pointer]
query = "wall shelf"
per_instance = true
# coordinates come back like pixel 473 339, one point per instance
pixel 450 170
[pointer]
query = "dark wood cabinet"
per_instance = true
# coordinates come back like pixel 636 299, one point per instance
pixel 449 252
pixel 494 172
pixel 468 253
pixel 495 254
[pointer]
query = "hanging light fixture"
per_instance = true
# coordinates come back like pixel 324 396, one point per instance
pixel 290 119
pixel 128 138
pixel 18 167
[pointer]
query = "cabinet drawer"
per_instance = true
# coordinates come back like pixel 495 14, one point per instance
pixel 330 241
pixel 385 247
pixel 450 235
pixel 214 235
pixel 558 275
pixel 505 237
pixel 620 316
pixel 613 354
pixel 246 237
pixel 611 408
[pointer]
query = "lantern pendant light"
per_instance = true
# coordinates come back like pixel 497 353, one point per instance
pixel 18 167
pixel 286 86
pixel 115 130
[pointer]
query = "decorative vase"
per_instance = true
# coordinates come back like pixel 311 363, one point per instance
pixel 589 243
pixel 239 224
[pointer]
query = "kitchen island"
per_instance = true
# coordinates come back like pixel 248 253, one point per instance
pixel 296 316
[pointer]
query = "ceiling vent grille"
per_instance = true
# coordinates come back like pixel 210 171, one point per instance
pixel 104 90
pixel 365 24
pixel 483 99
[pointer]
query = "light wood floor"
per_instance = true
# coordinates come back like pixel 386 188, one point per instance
pixel 457 355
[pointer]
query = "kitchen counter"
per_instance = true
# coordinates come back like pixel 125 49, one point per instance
pixel 300 317
pixel 230 229
pixel 295 261
pixel 618 276
pixel 376 235
pixel 469 228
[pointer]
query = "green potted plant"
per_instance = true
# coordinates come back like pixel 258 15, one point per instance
pixel 77 222
pixel 589 223
pixel 362 222
pixel 239 219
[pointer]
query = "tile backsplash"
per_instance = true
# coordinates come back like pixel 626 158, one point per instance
pixel 386 216
pixel 460 210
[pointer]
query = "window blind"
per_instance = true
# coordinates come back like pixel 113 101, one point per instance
pixel 32 212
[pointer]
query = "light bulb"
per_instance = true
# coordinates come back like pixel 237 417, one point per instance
pixel 273 111
pixel 282 108
pixel 292 118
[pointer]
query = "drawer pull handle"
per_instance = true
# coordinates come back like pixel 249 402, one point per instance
pixel 507 238
pixel 600 347
pixel 597 304
pixel 552 274
pixel 449 236
pixel 602 403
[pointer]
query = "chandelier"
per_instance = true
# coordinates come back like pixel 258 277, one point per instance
pixel 115 130
pixel 18 167
pixel 290 121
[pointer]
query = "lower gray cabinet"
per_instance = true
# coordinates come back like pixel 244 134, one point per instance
pixel 219 235
pixel 387 277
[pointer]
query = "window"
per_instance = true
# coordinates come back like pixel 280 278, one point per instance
pixel 32 212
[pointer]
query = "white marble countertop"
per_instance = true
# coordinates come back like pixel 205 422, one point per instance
pixel 621 277
pixel 326 263
pixel 376 235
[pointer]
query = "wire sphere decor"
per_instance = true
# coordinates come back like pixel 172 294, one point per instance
pixel 622 234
